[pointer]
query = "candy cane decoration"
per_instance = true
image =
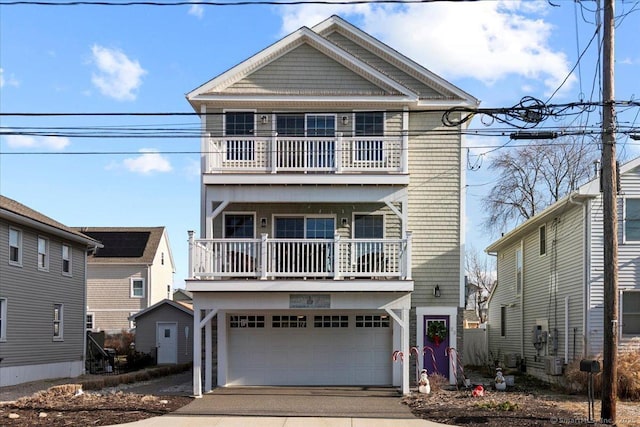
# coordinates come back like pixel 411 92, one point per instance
pixel 398 355
pixel 416 351
pixel 433 357
pixel 458 365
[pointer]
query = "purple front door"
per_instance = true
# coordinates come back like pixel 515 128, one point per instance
pixel 436 343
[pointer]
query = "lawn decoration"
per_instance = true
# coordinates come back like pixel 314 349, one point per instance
pixel 500 382
pixel 423 384
pixel 437 332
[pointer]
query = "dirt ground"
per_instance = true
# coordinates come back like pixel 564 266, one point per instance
pixel 520 406
pixel 531 404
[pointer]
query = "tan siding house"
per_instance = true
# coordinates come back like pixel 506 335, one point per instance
pixel 557 318
pixel 331 213
pixel 42 296
pixel 133 271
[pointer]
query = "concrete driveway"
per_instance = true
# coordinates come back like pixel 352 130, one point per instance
pixel 335 402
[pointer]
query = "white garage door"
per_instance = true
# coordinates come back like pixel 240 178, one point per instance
pixel 316 349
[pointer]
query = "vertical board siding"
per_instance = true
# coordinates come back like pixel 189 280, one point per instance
pixel 30 295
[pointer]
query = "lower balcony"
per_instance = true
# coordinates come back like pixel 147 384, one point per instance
pixel 290 259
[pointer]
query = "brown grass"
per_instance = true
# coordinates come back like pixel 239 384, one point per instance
pixel 628 377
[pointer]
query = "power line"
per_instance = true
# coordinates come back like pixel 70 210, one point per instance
pixel 218 3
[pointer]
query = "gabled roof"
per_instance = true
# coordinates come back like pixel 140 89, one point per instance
pixel 125 245
pixel 394 90
pixel 19 213
pixel 589 190
pixel 186 308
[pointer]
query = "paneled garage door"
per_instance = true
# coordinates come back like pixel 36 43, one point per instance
pixel 309 349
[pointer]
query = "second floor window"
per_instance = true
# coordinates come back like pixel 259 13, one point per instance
pixel 137 288
pixel 239 226
pixel 240 124
pixel 89 321
pixel 43 253
pixel 542 237
pixel 15 246
pixel 66 260
pixel 631 220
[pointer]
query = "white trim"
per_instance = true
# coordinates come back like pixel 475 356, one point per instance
pixel 624 219
pixel 249 286
pixel 70 259
pixel 93 320
pixel 177 334
pixel 452 312
pixel 59 322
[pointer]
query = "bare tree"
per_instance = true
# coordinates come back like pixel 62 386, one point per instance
pixel 534 176
pixel 481 275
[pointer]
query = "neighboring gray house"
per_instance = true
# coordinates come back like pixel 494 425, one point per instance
pixel 133 271
pixel 182 295
pixel 165 330
pixel 332 214
pixel 42 295
pixel 547 307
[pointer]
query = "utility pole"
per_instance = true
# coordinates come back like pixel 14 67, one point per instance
pixel 609 196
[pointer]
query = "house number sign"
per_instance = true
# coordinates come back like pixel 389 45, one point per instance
pixel 309 301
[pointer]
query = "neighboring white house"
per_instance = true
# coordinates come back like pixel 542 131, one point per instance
pixel 133 271
pixel 547 307
pixel 42 296
pixel 331 233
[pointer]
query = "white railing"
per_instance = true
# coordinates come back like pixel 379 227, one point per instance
pixel 338 154
pixel 266 258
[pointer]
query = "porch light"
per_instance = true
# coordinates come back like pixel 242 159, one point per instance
pixel 263 222
pixel 264 119
pixel 436 291
pixel 345 120
pixel 345 221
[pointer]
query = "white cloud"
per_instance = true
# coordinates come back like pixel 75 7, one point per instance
pixel 150 161
pixel 487 41
pixel 53 143
pixel 196 10
pixel 118 76
pixel 8 81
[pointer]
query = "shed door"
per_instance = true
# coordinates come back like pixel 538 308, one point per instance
pixel 167 343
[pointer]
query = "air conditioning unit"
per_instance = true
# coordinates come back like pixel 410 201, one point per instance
pixel 511 360
pixel 553 365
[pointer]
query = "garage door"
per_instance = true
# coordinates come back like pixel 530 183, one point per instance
pixel 317 349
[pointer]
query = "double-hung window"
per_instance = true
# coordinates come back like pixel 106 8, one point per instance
pixel 542 239
pixel 89 321
pixel 137 288
pixel 15 246
pixel 631 312
pixel 519 277
pixel 66 260
pixel 43 253
pixel 239 130
pixel 3 319
pixel 58 322
pixel 631 220
pixel 369 253
pixel 369 144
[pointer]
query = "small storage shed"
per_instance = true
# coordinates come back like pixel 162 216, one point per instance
pixel 165 330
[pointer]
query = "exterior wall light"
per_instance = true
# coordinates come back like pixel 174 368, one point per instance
pixel 264 119
pixel 436 291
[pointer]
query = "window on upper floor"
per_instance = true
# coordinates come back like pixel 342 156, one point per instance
pixel 43 253
pixel 240 124
pixel 631 312
pixel 137 288
pixel 66 260
pixel 369 150
pixel 631 220
pixel 15 246
pixel 542 239
pixel 369 123
pixel 3 319
pixel 519 275
pixel 239 226
pixel 58 322
pixel 367 226
pixel 503 321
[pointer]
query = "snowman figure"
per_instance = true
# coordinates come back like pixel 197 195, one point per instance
pixel 501 384
pixel 423 383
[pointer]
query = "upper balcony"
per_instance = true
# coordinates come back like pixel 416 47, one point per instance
pixel 332 155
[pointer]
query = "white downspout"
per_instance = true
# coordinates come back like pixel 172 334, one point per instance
pixel 566 330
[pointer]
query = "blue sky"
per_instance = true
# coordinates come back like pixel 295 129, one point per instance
pixel 94 59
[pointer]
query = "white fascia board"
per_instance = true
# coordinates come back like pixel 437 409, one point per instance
pixel 286 44
pixel 283 179
pixel 427 75
pixel 289 99
pixel 306 194
pixel 314 286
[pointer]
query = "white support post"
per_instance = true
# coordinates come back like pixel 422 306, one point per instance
pixel 336 256
pixel 407 256
pixel 274 153
pixel 338 153
pixel 405 351
pixel 263 256
pixel 190 262
pixel 208 361
pixel 404 163
pixel 197 351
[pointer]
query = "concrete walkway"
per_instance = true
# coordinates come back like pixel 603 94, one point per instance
pixel 174 420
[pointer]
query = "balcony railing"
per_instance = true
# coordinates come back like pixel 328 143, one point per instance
pixel 266 258
pixel 337 154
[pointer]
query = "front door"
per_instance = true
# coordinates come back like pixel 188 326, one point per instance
pixel 436 343
pixel 167 343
